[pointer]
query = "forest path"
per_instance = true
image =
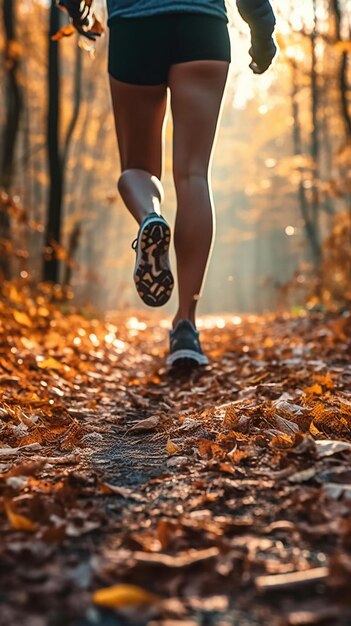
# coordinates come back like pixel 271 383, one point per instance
pixel 217 492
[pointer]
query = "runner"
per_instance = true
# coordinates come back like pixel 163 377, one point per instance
pixel 181 46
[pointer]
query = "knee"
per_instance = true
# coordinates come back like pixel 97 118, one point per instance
pixel 191 177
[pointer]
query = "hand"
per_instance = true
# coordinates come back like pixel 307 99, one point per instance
pixel 79 11
pixel 262 53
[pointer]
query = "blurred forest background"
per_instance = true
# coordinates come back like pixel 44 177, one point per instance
pixel 281 171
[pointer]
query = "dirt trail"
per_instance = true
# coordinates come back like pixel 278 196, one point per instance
pixel 218 490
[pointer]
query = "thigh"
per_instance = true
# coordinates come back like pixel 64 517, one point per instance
pixel 139 113
pixel 197 89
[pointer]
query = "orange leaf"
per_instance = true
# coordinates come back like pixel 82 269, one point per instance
pixel 19 522
pixel 237 455
pixel 50 364
pixel 172 448
pixel 205 447
pixel 325 380
pixel 122 596
pixel 314 390
pixel 282 441
pixel 22 318
pixel 225 467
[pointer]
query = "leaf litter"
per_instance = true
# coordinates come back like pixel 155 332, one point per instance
pixel 132 494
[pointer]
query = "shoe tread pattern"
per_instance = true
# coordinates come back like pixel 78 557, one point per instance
pixel 153 277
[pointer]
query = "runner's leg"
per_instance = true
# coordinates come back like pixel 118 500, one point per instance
pixel 139 112
pixel 196 94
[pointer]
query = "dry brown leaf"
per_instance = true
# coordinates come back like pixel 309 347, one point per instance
pixel 144 425
pixel 205 448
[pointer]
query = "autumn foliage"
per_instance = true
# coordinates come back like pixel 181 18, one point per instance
pixel 145 494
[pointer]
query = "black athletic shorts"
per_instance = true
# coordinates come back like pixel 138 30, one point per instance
pixel 142 49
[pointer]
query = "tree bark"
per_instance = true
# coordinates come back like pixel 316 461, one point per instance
pixel 53 225
pixel 315 147
pixel 10 132
pixel 309 227
pixel 57 156
pixel 343 70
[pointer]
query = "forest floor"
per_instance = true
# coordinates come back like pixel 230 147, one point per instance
pixel 135 495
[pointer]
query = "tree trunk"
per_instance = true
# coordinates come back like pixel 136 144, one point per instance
pixel 309 226
pixel 53 225
pixel 315 148
pixel 343 70
pixel 9 137
pixel 58 157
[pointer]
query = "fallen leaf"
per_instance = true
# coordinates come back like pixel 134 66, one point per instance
pixel 22 318
pixel 227 468
pixel 144 425
pixel 282 441
pixel 329 447
pixel 124 492
pixel 50 364
pixel 172 448
pixel 314 390
pixel 19 522
pixel 303 476
pixel 123 595
pixel 336 490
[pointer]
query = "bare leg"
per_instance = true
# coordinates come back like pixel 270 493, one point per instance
pixel 196 94
pixel 139 117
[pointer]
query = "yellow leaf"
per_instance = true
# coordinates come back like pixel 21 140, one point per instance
pixel 20 522
pixel 172 448
pixel 50 364
pixel 22 318
pixel 123 595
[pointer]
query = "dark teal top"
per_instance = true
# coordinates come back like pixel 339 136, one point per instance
pixel 257 13
pixel 144 8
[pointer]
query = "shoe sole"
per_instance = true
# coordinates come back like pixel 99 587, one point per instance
pixel 152 274
pixel 184 356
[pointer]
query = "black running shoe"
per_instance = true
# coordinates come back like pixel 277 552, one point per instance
pixel 185 345
pixel 152 273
